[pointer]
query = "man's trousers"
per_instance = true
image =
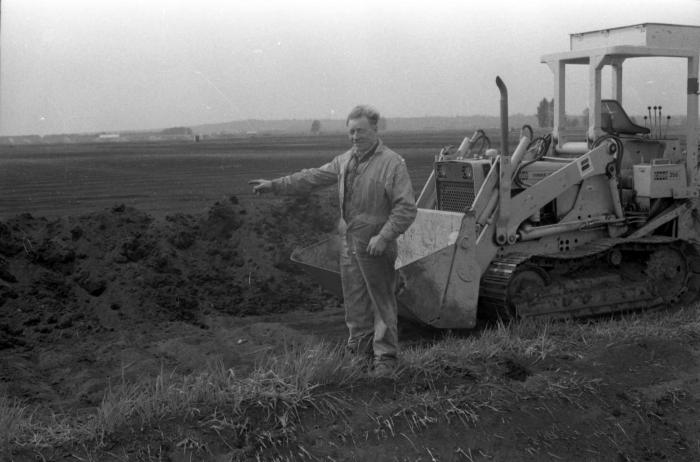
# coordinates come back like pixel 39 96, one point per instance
pixel 369 293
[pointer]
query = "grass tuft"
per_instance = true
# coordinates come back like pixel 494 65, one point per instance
pixel 311 365
pixel 13 417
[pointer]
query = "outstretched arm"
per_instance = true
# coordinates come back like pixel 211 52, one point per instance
pixel 301 182
pixel 307 180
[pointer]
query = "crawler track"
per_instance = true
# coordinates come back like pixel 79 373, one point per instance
pixel 606 276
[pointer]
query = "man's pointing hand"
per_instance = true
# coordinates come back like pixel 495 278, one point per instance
pixel 261 186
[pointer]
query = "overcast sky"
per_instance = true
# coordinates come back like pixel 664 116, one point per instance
pixel 88 66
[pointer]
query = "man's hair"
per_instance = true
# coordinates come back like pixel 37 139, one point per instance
pixel 364 110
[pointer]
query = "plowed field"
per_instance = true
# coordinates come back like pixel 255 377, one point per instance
pixel 121 261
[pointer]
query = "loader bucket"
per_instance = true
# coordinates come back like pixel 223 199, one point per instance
pixel 438 280
pixel 439 277
pixel 322 262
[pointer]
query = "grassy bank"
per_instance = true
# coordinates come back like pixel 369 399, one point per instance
pixel 314 403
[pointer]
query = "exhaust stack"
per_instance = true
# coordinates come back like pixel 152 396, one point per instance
pixel 504 116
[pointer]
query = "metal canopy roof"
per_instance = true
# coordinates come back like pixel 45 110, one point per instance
pixel 640 40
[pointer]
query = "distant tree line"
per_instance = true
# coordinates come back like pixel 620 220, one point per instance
pixel 177 131
pixel 545 115
pixel 316 126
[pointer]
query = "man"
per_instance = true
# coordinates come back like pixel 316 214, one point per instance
pixel 377 205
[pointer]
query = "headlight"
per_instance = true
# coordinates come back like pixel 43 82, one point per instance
pixel 440 170
pixel 467 172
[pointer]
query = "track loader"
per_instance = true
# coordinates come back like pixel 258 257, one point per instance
pixel 558 227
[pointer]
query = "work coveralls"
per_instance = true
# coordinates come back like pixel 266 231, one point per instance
pixel 379 200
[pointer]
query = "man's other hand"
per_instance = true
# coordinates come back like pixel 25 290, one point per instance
pixel 376 246
pixel 261 186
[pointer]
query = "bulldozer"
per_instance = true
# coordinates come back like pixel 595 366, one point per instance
pixel 560 226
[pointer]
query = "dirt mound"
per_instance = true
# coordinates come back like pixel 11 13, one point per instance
pixel 108 270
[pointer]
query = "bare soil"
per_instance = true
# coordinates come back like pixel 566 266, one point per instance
pixel 109 294
pixel 117 294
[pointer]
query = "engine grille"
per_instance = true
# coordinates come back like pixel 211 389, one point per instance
pixel 455 196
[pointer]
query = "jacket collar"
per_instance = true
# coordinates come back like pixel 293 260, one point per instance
pixel 376 148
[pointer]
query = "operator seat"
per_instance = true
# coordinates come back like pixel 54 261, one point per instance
pixel 615 121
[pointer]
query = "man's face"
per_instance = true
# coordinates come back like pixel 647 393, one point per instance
pixel 362 134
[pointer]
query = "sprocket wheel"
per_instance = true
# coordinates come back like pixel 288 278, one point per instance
pixel 667 270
